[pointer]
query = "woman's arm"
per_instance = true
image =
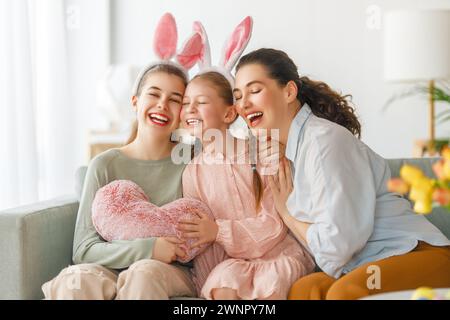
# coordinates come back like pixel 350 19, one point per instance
pixel 88 246
pixel 343 199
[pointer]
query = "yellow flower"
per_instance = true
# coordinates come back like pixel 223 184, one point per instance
pixel 446 153
pixel 423 206
pixel 422 194
pixel 446 170
pixel 410 173
pixel 421 189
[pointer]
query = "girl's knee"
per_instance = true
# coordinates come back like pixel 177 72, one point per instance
pixel 145 279
pixel 224 294
pixel 274 296
pixel 151 266
pixel 83 281
pixel 151 271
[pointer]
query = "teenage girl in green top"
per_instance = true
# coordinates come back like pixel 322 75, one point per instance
pixel 140 268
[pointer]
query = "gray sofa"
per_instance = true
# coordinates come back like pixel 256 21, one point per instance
pixel 36 240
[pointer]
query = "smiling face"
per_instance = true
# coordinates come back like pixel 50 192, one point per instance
pixel 158 103
pixel 260 100
pixel 204 106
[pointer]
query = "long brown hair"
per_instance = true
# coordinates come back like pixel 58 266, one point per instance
pixel 166 68
pixel 324 102
pixel 225 91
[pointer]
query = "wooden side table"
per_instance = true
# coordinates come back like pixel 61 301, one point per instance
pixel 100 141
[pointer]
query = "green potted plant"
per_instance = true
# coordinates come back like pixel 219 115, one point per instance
pixel 440 93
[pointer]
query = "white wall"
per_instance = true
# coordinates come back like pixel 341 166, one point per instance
pixel 88 41
pixel 329 40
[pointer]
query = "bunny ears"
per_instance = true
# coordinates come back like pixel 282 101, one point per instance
pixel 195 49
pixel 231 52
pixel 165 46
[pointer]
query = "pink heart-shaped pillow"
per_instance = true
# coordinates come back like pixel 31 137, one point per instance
pixel 122 211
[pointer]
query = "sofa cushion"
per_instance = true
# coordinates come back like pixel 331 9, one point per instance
pixel 80 174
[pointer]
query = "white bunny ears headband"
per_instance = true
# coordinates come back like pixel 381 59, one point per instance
pixel 196 49
pixel 165 47
pixel 231 52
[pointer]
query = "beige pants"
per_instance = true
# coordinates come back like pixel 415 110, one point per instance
pixel 145 279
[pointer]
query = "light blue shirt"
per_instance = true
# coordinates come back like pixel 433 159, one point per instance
pixel 340 186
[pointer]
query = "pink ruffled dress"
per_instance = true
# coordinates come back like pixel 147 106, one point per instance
pixel 253 253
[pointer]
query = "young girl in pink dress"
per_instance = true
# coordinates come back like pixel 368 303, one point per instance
pixel 252 256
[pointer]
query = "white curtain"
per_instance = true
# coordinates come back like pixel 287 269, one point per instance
pixel 36 116
pixel 19 159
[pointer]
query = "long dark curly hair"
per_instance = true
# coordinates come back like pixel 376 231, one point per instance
pixel 324 101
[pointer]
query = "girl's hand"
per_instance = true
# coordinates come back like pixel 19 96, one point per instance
pixel 203 228
pixel 281 186
pixel 167 249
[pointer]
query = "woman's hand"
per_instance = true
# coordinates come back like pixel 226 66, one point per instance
pixel 281 187
pixel 167 249
pixel 270 152
pixel 203 228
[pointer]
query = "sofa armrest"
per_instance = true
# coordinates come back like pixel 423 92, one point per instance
pixel 35 245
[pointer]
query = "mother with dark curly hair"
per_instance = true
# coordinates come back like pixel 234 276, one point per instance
pixel 331 188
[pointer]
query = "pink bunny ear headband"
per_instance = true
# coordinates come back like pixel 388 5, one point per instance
pixel 231 52
pixel 165 47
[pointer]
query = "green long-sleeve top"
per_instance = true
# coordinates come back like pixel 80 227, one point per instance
pixel 161 182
